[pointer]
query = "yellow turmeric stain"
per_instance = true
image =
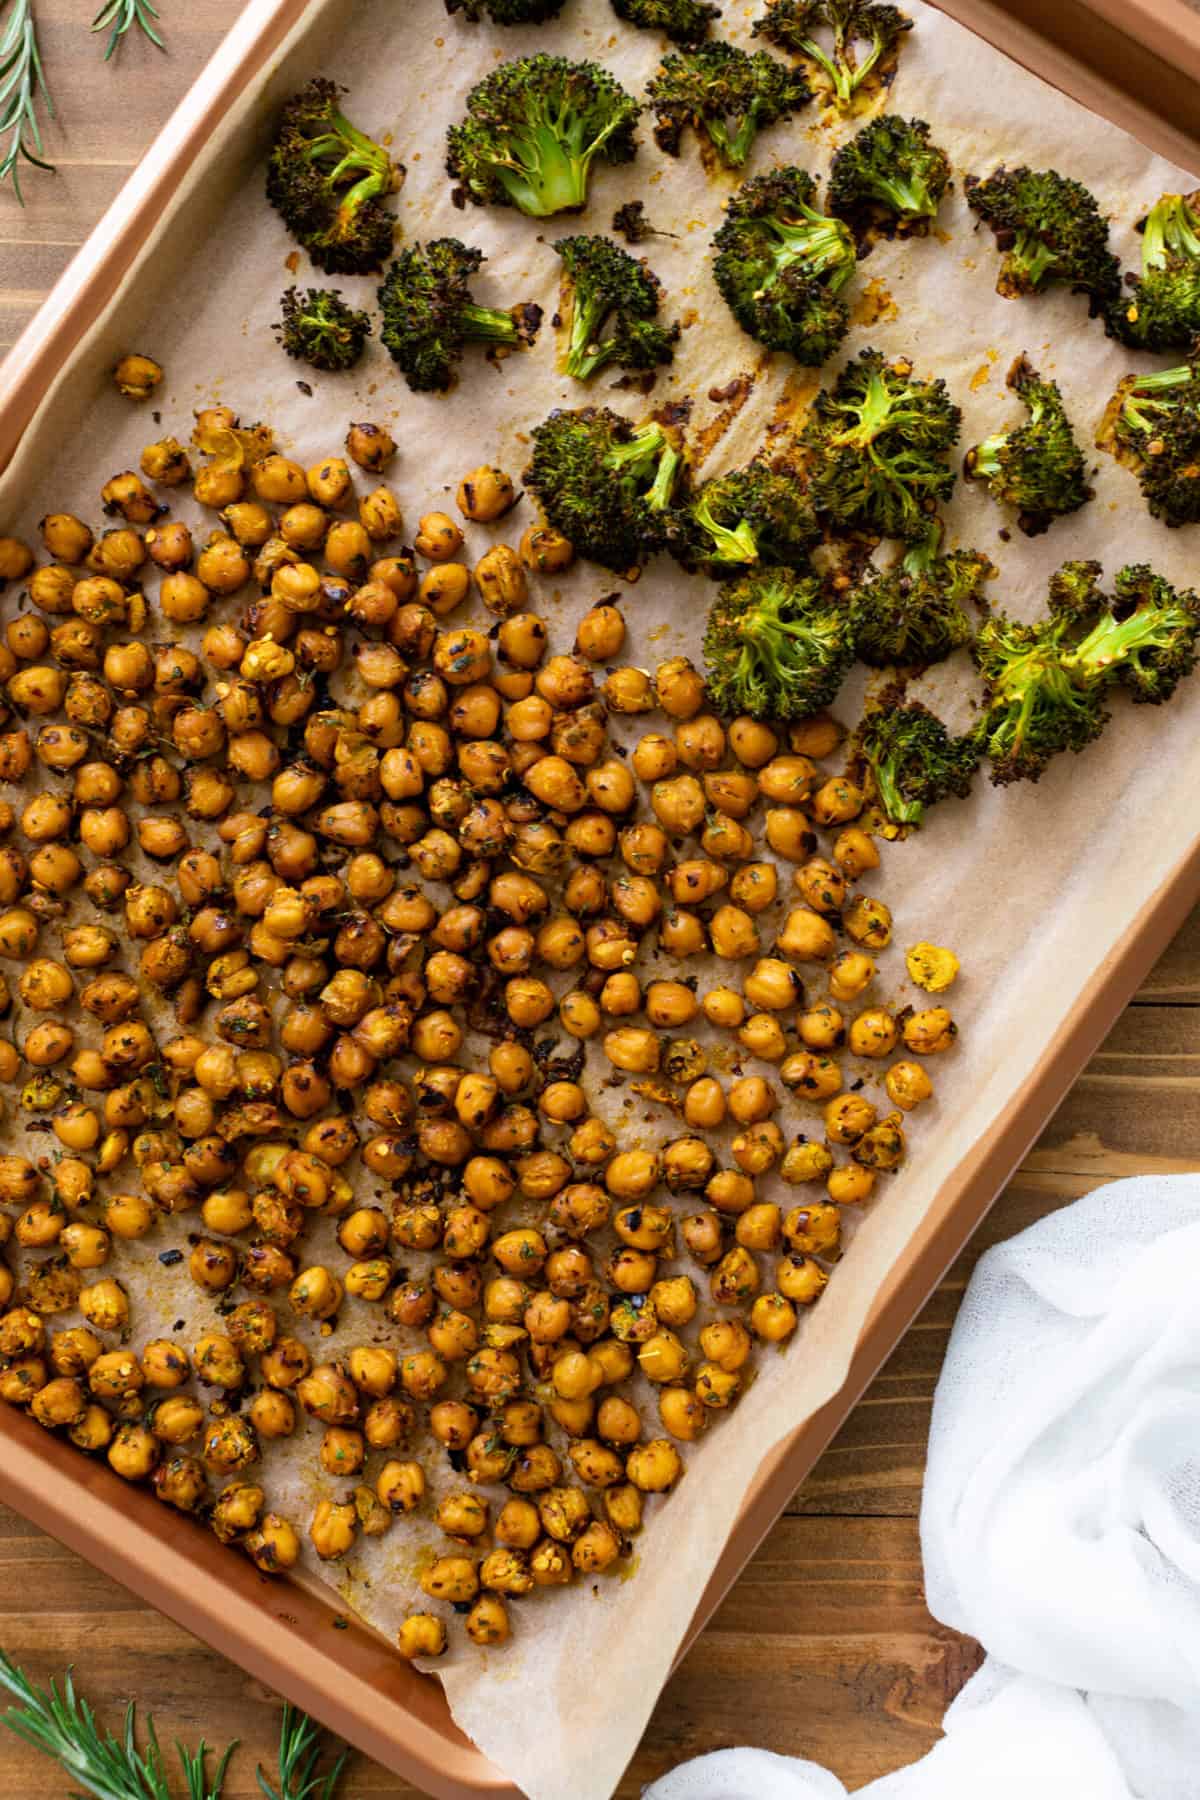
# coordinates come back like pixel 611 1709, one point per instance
pixel 876 302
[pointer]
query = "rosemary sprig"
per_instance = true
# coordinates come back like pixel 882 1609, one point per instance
pixel 299 1755
pixel 65 1727
pixel 22 90
pixel 122 16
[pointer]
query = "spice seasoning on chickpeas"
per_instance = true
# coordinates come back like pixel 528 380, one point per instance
pixel 310 933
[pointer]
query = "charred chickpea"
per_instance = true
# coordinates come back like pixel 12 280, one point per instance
pixel 486 494
pixel 854 852
pixel 907 1085
pixel 929 1031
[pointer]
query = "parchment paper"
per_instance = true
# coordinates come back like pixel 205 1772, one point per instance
pixel 1032 887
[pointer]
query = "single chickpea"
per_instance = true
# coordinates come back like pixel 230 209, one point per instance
pixel 421 1634
pixel 930 1031
pixel 486 494
pixel 854 852
pixel 907 1085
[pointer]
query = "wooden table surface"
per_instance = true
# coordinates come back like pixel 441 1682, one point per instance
pixel 824 1648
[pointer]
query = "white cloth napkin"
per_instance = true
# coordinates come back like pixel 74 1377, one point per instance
pixel 1060 1523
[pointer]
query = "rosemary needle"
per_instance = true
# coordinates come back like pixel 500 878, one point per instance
pixel 122 16
pixel 22 90
pixel 299 1754
pixel 109 1768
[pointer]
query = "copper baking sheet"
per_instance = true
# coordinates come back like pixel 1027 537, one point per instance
pixel 1135 62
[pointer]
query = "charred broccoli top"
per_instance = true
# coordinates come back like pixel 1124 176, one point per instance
pixel 1039 467
pixel 1162 310
pixel 891 169
pixel 726 95
pixel 1155 419
pixel 880 438
pixel 327 180
pixel 507 12
pixel 319 328
pixel 605 290
pixel 913 612
pixel 1033 708
pixel 865 40
pixel 775 647
pixel 781 264
pixel 913 760
pixel 753 515
pixel 1050 229
pixel 683 21
pixel 429 317
pixel 1145 639
pixel 605 484
pixel 532 130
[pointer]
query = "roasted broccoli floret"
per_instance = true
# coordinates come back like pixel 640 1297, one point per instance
pixel 1038 467
pixel 683 21
pixel 1145 639
pixel 605 484
pixel 780 265
pixel 775 647
pixel 890 171
pixel 507 12
pixel 1155 421
pixel 1161 310
pixel 429 317
pixel 913 760
pixel 533 129
pixel 1033 707
pixel 630 222
pixel 913 613
pixel 845 42
pixel 726 95
pixel 880 438
pixel 607 310
pixel 1050 229
pixel 319 328
pixel 327 181
pixel 757 514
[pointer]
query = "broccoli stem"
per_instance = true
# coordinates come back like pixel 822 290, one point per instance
pixel 820 243
pixel 739 546
pixel 584 354
pixel 1031 258
pixel 734 143
pixel 1171 229
pixel 659 497
pixel 984 459
pixel 899 810
pixel 489 325
pixel 879 411
pixel 1141 408
pixel 635 459
pixel 541 177
pixel 834 67
pixel 921 556
pixel 909 196
pixel 1112 641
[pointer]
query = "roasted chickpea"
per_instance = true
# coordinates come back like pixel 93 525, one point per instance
pixel 487 493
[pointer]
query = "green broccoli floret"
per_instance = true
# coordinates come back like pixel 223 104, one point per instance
pixel 913 613
pixel 606 485
pixel 507 12
pixel 1145 639
pixel 607 310
pixel 532 130
pixel 429 317
pixel 774 646
pixel 865 41
pixel 1154 421
pixel 683 21
pixel 913 760
pixel 319 328
pixel 1162 309
pixel 327 180
pixel 891 171
pixel 757 514
pixel 1075 600
pixel 1050 229
pixel 1038 467
pixel 780 265
pixel 726 95
pixel 1033 708
pixel 880 438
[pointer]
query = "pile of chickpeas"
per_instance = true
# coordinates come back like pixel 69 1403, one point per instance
pixel 313 901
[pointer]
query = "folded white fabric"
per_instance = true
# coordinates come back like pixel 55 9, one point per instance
pixel 1060 1523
